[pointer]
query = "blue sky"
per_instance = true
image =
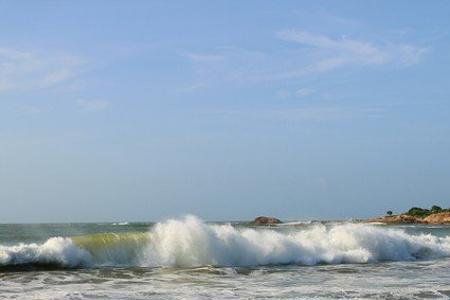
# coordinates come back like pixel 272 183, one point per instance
pixel 142 110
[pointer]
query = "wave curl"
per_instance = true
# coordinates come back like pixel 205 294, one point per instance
pixel 189 242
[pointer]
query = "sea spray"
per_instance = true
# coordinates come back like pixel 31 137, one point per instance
pixel 56 251
pixel 189 242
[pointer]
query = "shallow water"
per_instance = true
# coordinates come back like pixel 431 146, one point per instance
pixel 188 259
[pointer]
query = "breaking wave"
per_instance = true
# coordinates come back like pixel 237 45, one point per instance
pixel 189 242
pixel 55 251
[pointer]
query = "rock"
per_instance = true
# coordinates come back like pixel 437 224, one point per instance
pixel 438 218
pixel 262 220
pixel 402 219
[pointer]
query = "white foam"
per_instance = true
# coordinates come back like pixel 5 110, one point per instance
pixel 120 223
pixel 190 242
pixel 296 223
pixel 57 250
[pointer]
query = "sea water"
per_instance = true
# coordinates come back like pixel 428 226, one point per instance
pixel 190 259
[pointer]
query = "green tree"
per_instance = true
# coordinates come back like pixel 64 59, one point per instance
pixel 389 212
pixel 418 212
pixel 435 209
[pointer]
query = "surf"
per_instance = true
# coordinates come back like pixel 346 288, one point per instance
pixel 190 242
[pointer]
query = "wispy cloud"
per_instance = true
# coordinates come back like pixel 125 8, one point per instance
pixel 193 87
pixel 204 57
pixel 303 92
pixel 28 109
pixel 344 50
pixel 317 113
pixel 226 64
pixel 93 105
pixel 25 70
pixel 303 53
pixel 299 93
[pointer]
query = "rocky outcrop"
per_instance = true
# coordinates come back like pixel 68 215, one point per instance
pixel 438 218
pixel 262 220
pixel 402 219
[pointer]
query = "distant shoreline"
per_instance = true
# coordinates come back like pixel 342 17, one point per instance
pixel 433 219
pixel 416 215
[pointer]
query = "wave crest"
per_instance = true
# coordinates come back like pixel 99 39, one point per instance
pixel 55 251
pixel 189 242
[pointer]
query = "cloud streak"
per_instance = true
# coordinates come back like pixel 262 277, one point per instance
pixel 299 93
pixel 316 113
pixel 24 70
pixel 28 109
pixel 302 54
pixel 345 50
pixel 93 105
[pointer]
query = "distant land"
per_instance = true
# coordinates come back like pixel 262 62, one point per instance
pixel 416 215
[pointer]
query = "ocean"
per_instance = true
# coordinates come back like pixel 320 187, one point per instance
pixel 190 259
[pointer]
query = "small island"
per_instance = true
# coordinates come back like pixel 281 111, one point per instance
pixel 266 221
pixel 417 215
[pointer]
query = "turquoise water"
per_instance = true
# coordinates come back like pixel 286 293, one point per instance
pixel 189 259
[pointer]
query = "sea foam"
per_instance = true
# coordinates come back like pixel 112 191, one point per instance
pixel 55 251
pixel 189 242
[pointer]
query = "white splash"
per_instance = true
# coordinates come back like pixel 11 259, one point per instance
pixel 57 250
pixel 190 242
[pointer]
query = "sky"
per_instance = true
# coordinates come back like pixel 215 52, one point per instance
pixel 144 110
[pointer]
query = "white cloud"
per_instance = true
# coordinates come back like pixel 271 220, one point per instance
pixel 316 113
pixel 29 109
pixel 24 70
pixel 305 54
pixel 204 57
pixel 346 45
pixel 300 93
pixel 344 51
pixel 304 92
pixel 194 87
pixel 93 105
